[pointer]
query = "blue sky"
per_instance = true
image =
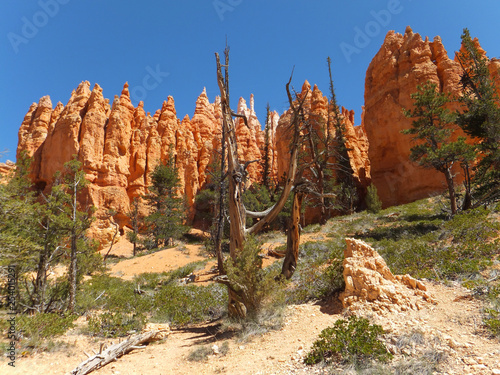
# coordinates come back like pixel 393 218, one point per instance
pixel 47 47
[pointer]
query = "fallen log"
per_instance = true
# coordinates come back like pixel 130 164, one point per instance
pixel 113 352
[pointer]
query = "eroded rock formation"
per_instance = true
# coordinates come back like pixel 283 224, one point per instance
pixel 316 113
pixel 371 284
pixel 403 62
pixel 120 145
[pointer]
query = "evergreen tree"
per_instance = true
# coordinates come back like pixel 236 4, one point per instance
pixel 165 222
pixel 480 117
pixel 78 220
pixel 347 196
pixel 432 129
pixel 373 202
pixel 36 234
pixel 18 238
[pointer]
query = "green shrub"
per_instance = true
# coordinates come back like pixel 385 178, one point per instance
pixel 319 271
pixel 491 317
pixel 45 325
pixel 180 305
pixel 36 332
pixel 492 321
pixel 112 294
pixel 258 287
pixel 353 341
pixel 200 354
pixel 312 228
pixel 373 202
pixel 115 324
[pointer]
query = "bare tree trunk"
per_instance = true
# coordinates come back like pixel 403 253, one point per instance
pixel 467 203
pixel 451 190
pixel 222 190
pixel 73 265
pixel 236 176
pixel 41 281
pixel 293 237
pixel 113 242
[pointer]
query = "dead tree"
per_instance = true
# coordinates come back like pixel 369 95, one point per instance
pixel 115 351
pixel 236 175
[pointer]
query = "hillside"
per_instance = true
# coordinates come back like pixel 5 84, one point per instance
pixel 457 261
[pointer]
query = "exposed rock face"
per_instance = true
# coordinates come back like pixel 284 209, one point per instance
pixel 370 283
pixel 5 169
pixel 62 143
pixel 403 62
pixel 316 114
pixel 119 147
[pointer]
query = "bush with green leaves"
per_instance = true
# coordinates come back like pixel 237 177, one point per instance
pixel 187 304
pixel 37 331
pixel 45 325
pixel 373 202
pixel 115 324
pixel 491 317
pixel 319 271
pixel 259 288
pixel 354 341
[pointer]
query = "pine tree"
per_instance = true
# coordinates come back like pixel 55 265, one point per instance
pixel 480 117
pixel 78 220
pixel 347 197
pixel 165 222
pixel 432 130
pixel 18 237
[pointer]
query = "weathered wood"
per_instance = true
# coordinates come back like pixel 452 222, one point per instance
pixel 113 352
pixel 293 236
pixel 236 174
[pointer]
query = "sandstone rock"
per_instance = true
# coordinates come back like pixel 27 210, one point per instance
pixel 203 125
pixel 250 138
pixel 163 330
pixel 116 160
pixel 62 143
pixel 6 169
pixel 119 147
pixel 370 284
pixel 402 63
pixel 92 134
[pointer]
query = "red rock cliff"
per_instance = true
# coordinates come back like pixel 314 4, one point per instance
pixel 403 62
pixel 120 145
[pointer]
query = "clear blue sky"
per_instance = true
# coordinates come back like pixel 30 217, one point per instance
pixel 47 47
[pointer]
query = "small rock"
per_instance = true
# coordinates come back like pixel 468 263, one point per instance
pixel 479 367
pixel 469 361
pixel 215 349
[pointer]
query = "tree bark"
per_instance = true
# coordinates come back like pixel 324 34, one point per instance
pixel 73 259
pixel 451 190
pixel 293 236
pixel 112 353
pixel 236 175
